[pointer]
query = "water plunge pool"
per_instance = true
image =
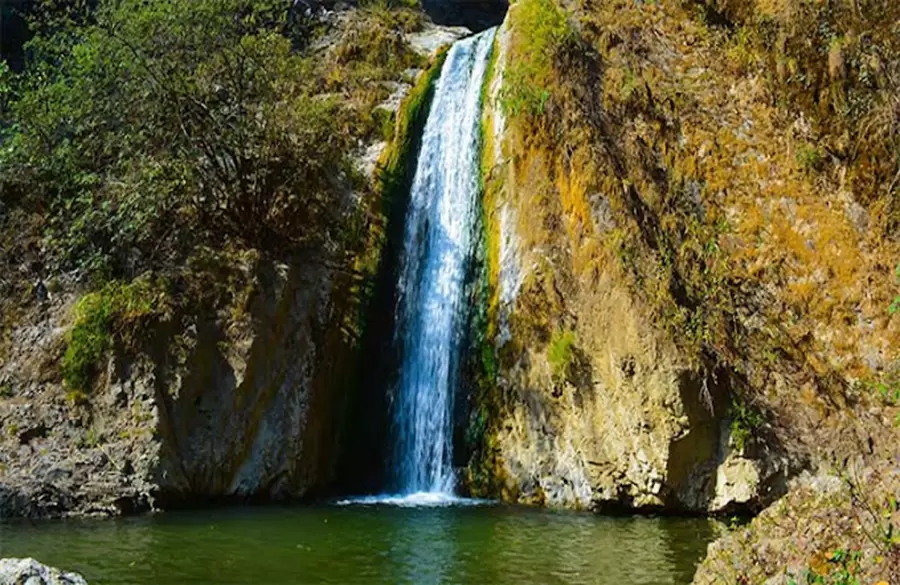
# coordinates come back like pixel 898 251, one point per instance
pixel 369 545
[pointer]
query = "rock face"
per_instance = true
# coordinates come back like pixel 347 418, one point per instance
pixel 800 538
pixel 31 572
pixel 596 408
pixel 253 412
pixel 668 329
pixel 240 401
pixel 57 457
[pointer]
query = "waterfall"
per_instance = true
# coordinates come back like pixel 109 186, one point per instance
pixel 438 247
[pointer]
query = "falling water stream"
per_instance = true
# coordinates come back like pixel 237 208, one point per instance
pixel 437 252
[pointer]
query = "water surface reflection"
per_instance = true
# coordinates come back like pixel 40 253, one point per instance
pixel 375 545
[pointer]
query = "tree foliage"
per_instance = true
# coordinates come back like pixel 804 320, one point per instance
pixel 141 129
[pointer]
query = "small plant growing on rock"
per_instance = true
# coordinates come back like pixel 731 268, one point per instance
pixel 91 439
pixel 809 158
pixel 744 421
pixel 561 352
pixel 887 388
pixel 88 340
pixel 92 334
pixel 841 569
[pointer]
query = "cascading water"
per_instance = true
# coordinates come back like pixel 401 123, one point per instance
pixel 438 247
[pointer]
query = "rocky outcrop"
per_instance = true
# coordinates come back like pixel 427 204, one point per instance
pixel 31 572
pixel 239 400
pixel 251 409
pixel 624 424
pixel 58 457
pixel 830 523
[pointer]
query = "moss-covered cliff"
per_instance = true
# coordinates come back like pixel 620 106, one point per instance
pixel 693 226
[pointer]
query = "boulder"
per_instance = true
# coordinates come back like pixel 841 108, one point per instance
pixel 31 572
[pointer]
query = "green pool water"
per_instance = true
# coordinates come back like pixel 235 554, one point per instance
pixel 346 545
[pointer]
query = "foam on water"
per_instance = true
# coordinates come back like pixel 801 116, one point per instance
pixel 416 500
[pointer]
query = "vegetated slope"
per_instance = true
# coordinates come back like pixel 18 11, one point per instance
pixel 187 241
pixel 736 166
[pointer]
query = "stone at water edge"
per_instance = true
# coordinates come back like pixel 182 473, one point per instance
pixel 31 572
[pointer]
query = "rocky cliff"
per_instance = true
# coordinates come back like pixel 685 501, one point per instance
pixel 690 241
pixel 241 400
pixel 598 407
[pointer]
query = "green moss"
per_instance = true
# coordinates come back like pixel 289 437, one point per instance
pixel 89 339
pixel 486 403
pixel 393 174
pixel 384 123
pixel 541 28
pixel 99 316
pixel 561 352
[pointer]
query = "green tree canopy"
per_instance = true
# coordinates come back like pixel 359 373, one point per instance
pixel 140 129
